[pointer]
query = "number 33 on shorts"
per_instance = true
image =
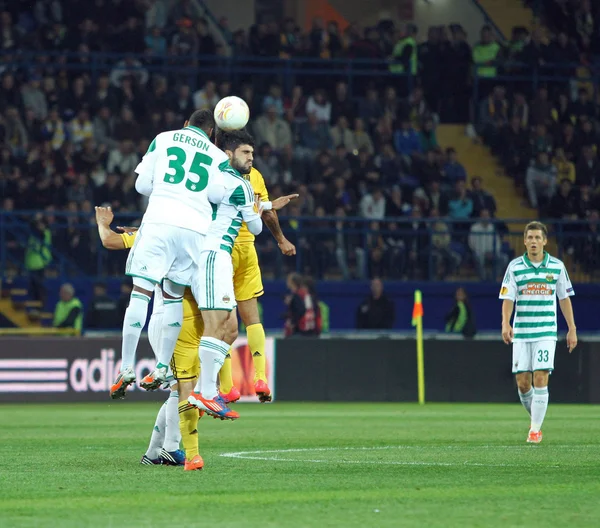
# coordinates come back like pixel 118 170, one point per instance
pixel 530 356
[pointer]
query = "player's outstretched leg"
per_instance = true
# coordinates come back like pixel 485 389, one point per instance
pixel 256 343
pixel 152 455
pixel 170 453
pixel 171 326
pixel 133 323
pixel 228 392
pixel 205 395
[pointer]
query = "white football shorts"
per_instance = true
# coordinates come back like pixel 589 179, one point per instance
pixel 531 356
pixel 212 286
pixel 164 252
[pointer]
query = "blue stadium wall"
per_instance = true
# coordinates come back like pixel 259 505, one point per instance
pixel 344 297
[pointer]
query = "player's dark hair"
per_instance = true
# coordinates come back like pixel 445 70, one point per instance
pixel 536 226
pixel 296 279
pixel 232 140
pixel 202 119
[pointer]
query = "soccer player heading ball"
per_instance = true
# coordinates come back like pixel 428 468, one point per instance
pixel 533 282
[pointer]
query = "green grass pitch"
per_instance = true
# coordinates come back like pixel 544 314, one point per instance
pixel 303 465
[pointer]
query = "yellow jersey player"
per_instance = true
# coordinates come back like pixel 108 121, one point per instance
pixel 185 363
pixel 248 287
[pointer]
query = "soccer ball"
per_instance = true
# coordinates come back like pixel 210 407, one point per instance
pixel 232 113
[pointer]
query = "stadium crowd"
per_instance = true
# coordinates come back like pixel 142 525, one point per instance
pixel 70 139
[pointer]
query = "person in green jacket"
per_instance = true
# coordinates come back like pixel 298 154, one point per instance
pixel 324 311
pixel 38 255
pixel 460 319
pixel 485 56
pixel 69 310
pixel 405 55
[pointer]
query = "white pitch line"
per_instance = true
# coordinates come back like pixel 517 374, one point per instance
pixel 259 455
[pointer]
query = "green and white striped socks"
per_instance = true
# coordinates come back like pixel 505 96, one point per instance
pixel 212 357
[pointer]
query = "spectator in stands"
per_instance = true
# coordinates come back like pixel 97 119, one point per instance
pixel 427 136
pixel 377 311
pixel 482 199
pixel 427 170
pixel 34 98
pixel 514 149
pixel 370 108
pixel 588 169
pixel 181 103
pixel 586 202
pixel 302 315
pixel 486 247
pixel 485 56
pixel 122 159
pixel 452 170
pixel 207 97
pixel 38 256
pixel 318 104
pixel 541 181
pixel 15 132
pixel 341 134
pixel 273 98
pixel 535 52
pixel 69 310
pixel 520 108
pixel 373 205
pixel 444 258
pixel 493 115
pixel 10 94
pixel 341 104
pixel 407 141
pixel 570 143
pixel 313 136
pixel 295 106
pixel 461 318
pixel 583 106
pixel 268 164
pixel 81 128
pixel 590 252
pixel 395 206
pixel 587 135
pixel 417 242
pixel 104 310
pixel 272 129
pixel 129 67
pixel 542 141
pixel 565 169
pixel 362 139
pixel 541 108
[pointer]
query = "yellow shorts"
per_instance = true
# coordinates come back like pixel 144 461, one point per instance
pixel 247 280
pixel 185 363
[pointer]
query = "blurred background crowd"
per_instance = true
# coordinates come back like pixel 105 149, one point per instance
pixel 379 196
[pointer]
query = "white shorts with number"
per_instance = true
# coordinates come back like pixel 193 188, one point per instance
pixel 212 286
pixel 531 356
pixel 164 251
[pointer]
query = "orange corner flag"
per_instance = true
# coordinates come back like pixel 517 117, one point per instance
pixel 417 307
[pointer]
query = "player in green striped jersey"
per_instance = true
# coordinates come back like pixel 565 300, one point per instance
pixel 534 281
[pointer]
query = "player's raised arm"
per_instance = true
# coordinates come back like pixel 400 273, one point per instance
pixel 110 239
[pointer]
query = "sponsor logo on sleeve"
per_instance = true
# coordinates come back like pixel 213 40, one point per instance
pixel 504 290
pixel 570 290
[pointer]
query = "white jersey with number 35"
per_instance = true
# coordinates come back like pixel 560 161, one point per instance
pixel 180 173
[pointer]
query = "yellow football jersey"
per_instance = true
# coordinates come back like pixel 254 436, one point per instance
pixel 259 187
pixel 190 306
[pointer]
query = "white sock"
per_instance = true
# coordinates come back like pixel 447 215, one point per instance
pixel 172 433
pixel 171 326
pixel 158 433
pixel 526 400
pixel 539 405
pixel 133 323
pixel 212 357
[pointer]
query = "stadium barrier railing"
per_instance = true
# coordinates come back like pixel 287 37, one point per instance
pixel 330 247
